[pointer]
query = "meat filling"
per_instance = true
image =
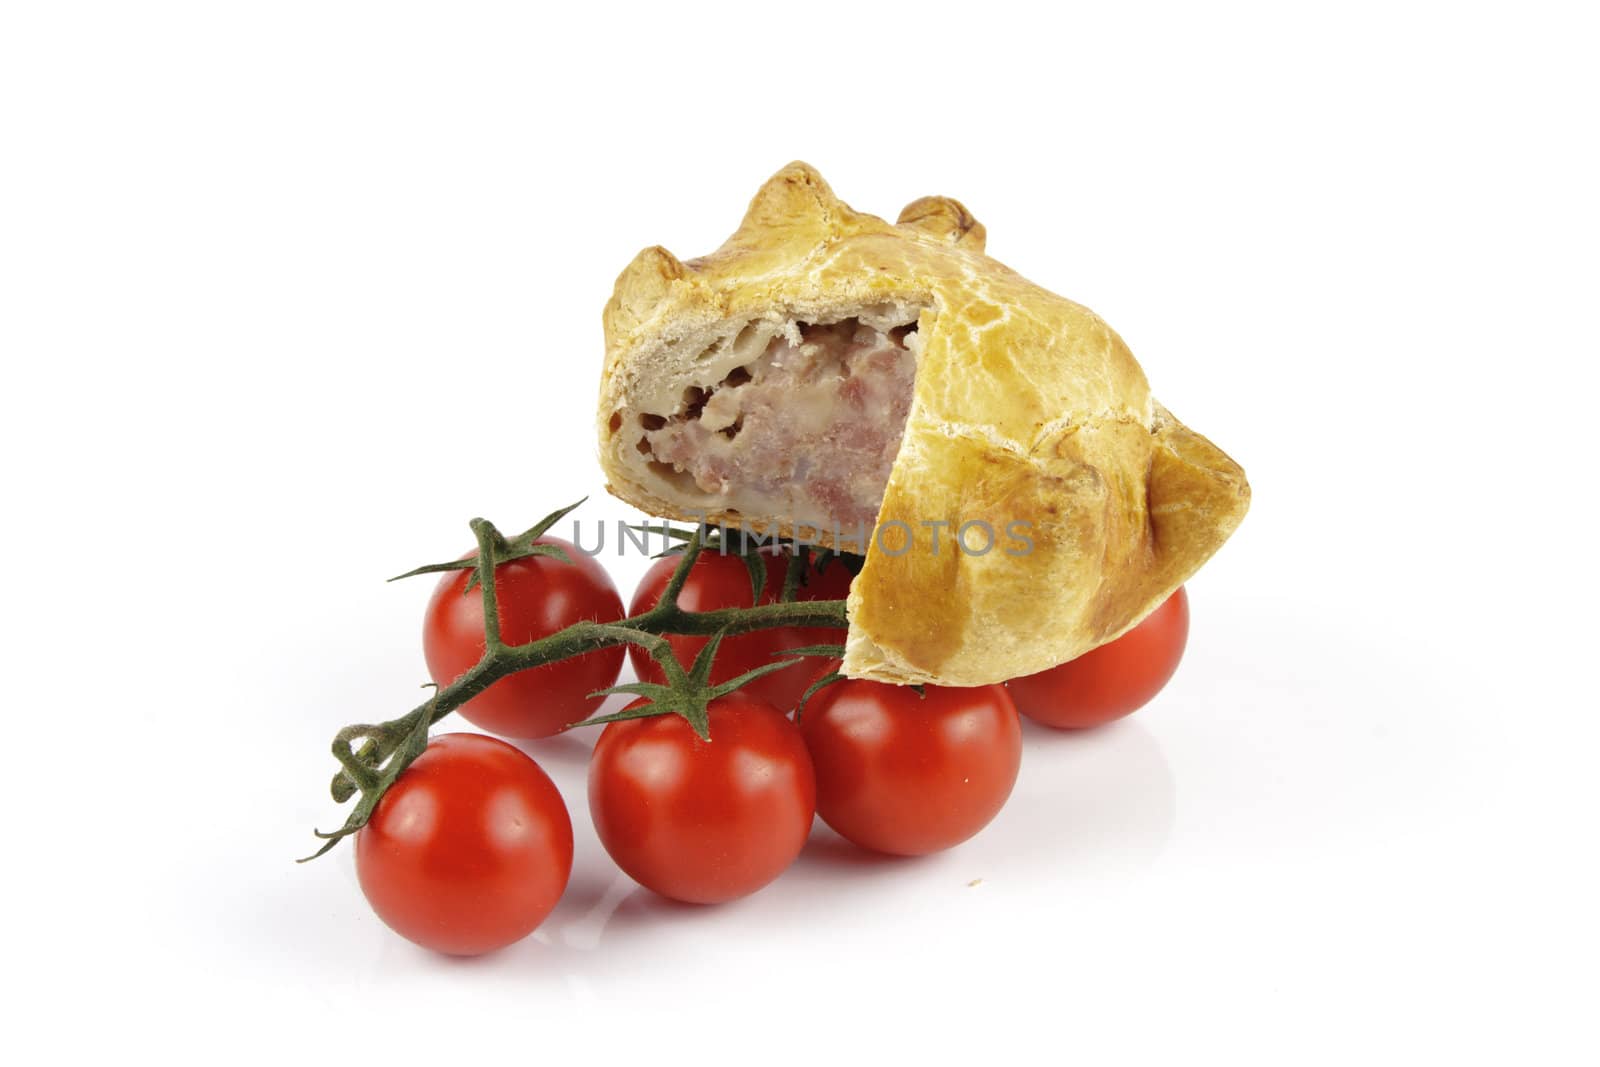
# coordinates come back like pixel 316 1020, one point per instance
pixel 805 432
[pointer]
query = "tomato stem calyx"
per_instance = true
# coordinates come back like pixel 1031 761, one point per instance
pixel 687 693
pixel 520 547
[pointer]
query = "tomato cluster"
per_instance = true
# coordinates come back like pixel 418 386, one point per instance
pixel 471 848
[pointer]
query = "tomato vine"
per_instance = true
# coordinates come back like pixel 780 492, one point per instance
pixel 372 756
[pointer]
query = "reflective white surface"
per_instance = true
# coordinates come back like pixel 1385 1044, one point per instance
pixel 289 294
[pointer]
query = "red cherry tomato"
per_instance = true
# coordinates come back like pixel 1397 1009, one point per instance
pixel 908 774
pixel 469 850
pixel 722 581
pixel 703 821
pixel 537 595
pixel 829 582
pixel 1113 680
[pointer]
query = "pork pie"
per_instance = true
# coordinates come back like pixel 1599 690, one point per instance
pixel 885 389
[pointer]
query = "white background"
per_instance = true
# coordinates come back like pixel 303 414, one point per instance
pixel 290 291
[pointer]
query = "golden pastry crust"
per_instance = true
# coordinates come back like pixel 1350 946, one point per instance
pixel 1027 408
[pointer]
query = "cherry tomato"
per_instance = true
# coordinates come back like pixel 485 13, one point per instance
pixel 722 581
pixel 829 582
pixel 537 596
pixel 1113 680
pixel 469 850
pixel 703 821
pixel 908 774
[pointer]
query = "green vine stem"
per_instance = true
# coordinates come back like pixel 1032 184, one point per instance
pixel 386 749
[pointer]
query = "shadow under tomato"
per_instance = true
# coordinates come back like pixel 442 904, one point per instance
pixel 827 850
pixel 565 752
